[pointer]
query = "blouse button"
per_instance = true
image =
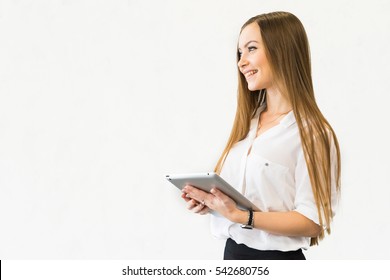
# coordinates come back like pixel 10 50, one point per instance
pixel 266 164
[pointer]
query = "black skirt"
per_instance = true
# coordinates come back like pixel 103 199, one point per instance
pixel 234 251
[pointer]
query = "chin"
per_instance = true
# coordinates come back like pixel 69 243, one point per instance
pixel 253 88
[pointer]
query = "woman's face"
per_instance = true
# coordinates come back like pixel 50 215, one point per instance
pixel 253 63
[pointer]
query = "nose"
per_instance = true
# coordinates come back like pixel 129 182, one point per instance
pixel 242 62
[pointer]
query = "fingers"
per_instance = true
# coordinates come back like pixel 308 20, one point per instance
pixel 197 207
pixel 204 211
pixel 217 193
pixel 201 209
pixel 202 202
pixel 220 195
pixel 191 204
pixel 195 193
pixel 184 196
pixel 200 197
pixel 197 199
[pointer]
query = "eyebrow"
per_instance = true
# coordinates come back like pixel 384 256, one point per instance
pixel 251 41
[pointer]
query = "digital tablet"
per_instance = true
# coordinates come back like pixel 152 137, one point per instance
pixel 207 181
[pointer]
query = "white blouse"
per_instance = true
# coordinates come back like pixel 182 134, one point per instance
pixel 274 177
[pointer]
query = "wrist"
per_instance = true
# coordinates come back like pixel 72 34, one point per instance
pixel 239 216
pixel 250 223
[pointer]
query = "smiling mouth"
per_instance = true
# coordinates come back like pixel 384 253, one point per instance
pixel 250 73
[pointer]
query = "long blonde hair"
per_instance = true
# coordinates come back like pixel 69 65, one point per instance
pixel 287 50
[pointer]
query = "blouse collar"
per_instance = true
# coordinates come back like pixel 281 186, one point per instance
pixel 288 119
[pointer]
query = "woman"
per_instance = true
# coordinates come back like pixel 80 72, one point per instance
pixel 282 154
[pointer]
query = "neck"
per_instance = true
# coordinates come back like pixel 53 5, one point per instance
pixel 276 102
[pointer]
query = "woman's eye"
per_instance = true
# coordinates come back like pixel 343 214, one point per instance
pixel 252 48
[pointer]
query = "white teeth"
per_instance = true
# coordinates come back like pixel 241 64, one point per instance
pixel 250 73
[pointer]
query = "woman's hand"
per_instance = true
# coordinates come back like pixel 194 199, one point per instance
pixel 195 206
pixel 216 200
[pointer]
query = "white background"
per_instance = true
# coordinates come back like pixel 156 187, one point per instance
pixel 99 100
